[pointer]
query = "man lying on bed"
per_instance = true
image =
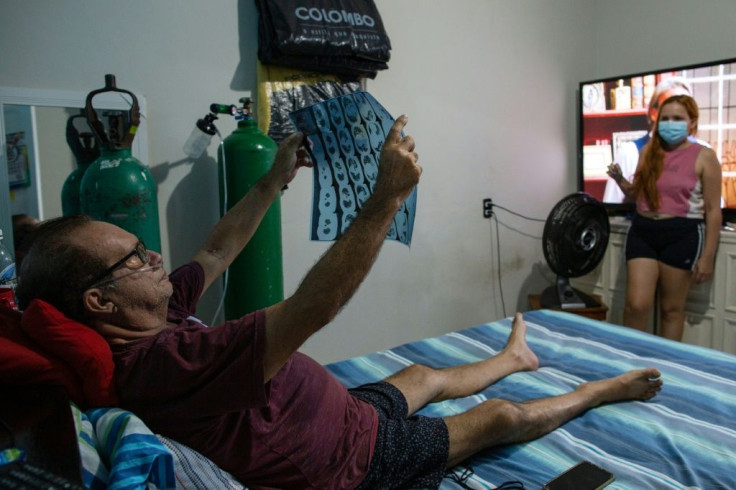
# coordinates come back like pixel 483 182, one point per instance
pixel 242 395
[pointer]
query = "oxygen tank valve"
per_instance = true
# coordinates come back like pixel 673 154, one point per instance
pixel 231 109
pixel 201 135
pixel 247 104
pixel 110 81
pixel 238 113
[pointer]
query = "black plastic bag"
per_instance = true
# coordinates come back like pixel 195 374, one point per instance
pixel 344 37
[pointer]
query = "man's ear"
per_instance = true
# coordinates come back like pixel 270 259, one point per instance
pixel 94 301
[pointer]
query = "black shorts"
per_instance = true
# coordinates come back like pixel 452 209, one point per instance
pixel 677 242
pixel 410 452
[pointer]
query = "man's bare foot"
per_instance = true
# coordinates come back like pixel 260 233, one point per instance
pixel 517 348
pixel 638 384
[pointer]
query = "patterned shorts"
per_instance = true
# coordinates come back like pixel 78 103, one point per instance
pixel 410 452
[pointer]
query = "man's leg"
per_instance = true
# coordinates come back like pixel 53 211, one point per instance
pixel 496 422
pixel 421 384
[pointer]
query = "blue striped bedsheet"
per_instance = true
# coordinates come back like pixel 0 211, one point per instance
pixel 118 451
pixel 683 438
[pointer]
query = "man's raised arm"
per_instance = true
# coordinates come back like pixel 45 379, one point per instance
pixel 334 279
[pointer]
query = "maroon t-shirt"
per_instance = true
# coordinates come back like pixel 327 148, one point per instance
pixel 203 386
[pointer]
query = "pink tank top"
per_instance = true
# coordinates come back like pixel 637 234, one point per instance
pixel 680 189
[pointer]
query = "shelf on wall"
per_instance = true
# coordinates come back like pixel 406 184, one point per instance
pixel 621 113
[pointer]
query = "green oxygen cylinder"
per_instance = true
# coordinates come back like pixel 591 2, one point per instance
pixel 120 190
pixel 117 187
pixel 255 279
pixel 85 150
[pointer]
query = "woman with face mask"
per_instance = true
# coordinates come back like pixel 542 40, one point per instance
pixel 675 232
pixel 627 156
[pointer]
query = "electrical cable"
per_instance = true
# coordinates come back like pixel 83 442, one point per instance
pixel 517 214
pixel 461 478
pixel 494 216
pixel 511 485
pixel 498 265
pixel 226 276
pixel 222 299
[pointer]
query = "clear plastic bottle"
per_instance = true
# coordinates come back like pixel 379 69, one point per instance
pixel 200 137
pixel 7 276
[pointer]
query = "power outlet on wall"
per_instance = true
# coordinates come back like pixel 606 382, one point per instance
pixel 487 207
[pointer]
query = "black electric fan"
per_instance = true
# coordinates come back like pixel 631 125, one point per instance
pixel 574 242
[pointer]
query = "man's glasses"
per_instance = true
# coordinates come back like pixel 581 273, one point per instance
pixel 136 259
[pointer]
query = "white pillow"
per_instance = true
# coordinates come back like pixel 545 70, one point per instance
pixel 196 471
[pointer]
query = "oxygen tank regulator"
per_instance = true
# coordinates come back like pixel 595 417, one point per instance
pixel 205 129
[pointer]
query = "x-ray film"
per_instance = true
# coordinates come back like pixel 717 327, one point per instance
pixel 346 135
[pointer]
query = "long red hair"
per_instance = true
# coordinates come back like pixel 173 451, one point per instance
pixel 652 163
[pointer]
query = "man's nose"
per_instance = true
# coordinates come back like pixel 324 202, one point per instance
pixel 154 258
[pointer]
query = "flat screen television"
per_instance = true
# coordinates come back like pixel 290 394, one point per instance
pixel 613 115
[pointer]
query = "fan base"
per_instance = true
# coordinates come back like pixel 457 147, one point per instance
pixel 566 297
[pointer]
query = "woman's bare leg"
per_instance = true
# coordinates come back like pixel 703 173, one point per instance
pixel 641 286
pixel 496 422
pixel 675 285
pixel 421 384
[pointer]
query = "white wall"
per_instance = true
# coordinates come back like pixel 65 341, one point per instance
pixel 640 35
pixel 489 90
pixel 489 86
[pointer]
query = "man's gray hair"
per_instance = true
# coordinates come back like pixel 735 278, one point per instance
pixel 57 269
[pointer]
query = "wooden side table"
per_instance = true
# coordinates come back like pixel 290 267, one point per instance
pixel 596 313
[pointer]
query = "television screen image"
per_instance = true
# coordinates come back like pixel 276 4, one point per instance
pixel 613 124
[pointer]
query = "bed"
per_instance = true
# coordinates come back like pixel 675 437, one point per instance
pixel 684 438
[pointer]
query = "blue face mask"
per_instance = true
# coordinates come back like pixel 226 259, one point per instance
pixel 672 131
